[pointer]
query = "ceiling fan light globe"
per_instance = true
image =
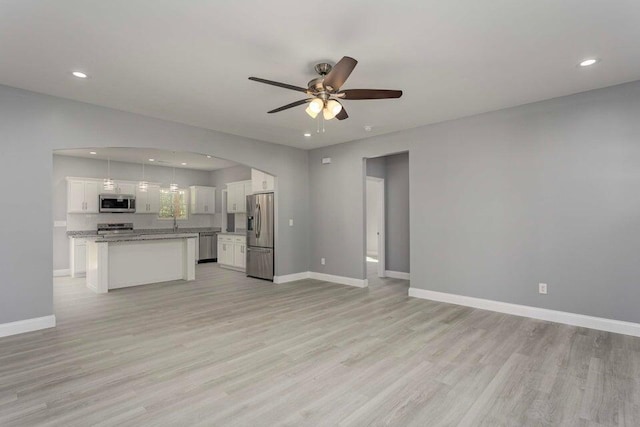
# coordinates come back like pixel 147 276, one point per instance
pixel 334 106
pixel 316 105
pixel 328 114
pixel 312 114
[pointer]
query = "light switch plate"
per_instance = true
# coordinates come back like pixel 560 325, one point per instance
pixel 291 223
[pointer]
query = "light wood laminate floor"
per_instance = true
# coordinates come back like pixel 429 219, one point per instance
pixel 229 350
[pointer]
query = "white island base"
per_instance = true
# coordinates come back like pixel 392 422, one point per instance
pixel 124 262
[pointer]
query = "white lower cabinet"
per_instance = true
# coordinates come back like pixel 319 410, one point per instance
pixel 232 251
pixel 77 256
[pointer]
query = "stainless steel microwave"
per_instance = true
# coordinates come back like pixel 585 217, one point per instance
pixel 119 203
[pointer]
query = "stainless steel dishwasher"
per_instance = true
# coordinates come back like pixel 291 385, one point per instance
pixel 208 247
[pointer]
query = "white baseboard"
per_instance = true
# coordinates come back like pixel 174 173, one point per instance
pixel 599 323
pixel 28 325
pixel 61 273
pixel 397 275
pixel 291 277
pixel 350 281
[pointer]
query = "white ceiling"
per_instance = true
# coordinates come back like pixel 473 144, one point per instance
pixel 188 61
pixel 160 157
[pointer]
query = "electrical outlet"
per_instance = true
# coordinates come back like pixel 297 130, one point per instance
pixel 322 261
pixel 542 288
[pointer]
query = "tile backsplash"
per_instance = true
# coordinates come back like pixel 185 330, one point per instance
pixel 82 222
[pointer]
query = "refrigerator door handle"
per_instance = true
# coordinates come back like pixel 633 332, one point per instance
pixel 259 230
pixel 255 220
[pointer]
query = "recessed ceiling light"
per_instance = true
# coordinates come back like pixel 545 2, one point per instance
pixel 152 160
pixel 588 62
pixel 183 164
pixel 92 152
pixel 307 134
pixel 79 74
pixel 208 157
pixel 368 128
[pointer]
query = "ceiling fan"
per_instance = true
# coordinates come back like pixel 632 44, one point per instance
pixel 325 90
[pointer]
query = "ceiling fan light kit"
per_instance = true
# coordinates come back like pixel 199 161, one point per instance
pixel 325 91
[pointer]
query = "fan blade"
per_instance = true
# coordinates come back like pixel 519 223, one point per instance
pixel 369 94
pixel 342 114
pixel 293 104
pixel 284 85
pixel 339 73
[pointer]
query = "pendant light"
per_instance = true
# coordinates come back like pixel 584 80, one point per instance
pixel 174 187
pixel 108 182
pixel 143 185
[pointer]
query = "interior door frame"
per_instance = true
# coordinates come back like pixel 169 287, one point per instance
pixel 381 225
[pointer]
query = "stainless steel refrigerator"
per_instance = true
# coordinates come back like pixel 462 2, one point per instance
pixel 260 234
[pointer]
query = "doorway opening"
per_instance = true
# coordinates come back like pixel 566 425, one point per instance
pixel 387 219
pixel 375 188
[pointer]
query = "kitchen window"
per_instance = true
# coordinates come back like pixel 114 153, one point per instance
pixel 171 202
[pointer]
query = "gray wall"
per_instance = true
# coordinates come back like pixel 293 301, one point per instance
pixel 397 212
pixel 545 192
pixel 64 166
pixel 32 125
pixel 377 167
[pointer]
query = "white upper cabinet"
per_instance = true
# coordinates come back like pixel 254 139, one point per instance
pixel 148 202
pixel 203 199
pixel 237 196
pixel 125 188
pixel 262 182
pixel 91 196
pixel 82 196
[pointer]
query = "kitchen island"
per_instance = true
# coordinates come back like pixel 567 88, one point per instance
pixel 115 262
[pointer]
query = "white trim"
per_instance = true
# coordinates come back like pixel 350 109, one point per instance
pixel 291 277
pixel 61 273
pixel 397 275
pixel 350 281
pixel 599 323
pixel 27 325
pixel 382 223
pixel 342 280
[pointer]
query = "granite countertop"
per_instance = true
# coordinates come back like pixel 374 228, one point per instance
pixel 141 237
pixel 147 231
